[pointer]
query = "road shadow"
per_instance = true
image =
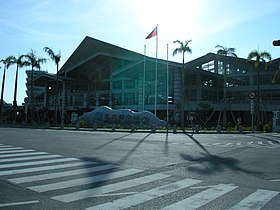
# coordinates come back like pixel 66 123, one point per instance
pixel 207 163
pixel 133 149
pixel 109 142
pixel 198 143
pixel 99 172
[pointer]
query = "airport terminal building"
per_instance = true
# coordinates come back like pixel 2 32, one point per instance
pixel 99 73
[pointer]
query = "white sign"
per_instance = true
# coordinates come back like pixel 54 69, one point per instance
pixel 252 95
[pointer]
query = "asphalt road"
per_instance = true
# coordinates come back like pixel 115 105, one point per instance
pixel 64 169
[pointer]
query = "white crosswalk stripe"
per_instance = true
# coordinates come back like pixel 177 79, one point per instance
pixel 83 181
pixel 142 197
pixel 256 201
pixel 23 154
pixel 5 146
pixel 69 184
pixel 44 168
pixel 203 197
pixel 109 188
pixel 61 174
pixel 270 142
pixel 12 165
pixel 29 158
pixel 17 151
pixel 10 148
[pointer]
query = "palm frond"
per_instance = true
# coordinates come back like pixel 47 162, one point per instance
pixel 50 52
pixel 20 61
pixel 266 55
pixel 225 51
pixel 253 54
pixel 8 61
pixel 219 46
pixel 32 60
pixel 55 57
pixel 176 51
pixel 260 57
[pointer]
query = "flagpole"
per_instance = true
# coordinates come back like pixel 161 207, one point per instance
pixel 156 73
pixel 167 88
pixel 144 77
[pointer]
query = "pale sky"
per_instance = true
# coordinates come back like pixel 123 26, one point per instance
pixel 62 25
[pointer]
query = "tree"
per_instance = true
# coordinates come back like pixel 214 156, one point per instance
pixel 56 58
pixel 8 61
pixel 225 52
pixel 20 63
pixel 35 62
pixel 260 57
pixel 183 48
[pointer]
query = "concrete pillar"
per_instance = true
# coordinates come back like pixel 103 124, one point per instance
pixel 196 129
pixel 94 127
pixel 174 129
pixel 132 128
pixel 219 128
pixel 77 126
pixel 153 129
pixel 240 129
pixel 113 127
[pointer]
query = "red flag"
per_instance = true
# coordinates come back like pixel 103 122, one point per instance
pixel 152 34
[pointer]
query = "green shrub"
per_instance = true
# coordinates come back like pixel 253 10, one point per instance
pixel 267 127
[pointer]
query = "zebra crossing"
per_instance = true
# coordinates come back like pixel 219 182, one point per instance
pixel 68 180
pixel 256 144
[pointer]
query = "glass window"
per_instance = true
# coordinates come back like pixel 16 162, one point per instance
pixel 129 98
pixel 105 73
pixel 128 84
pixel 220 67
pixel 102 86
pixel 266 79
pixel 190 79
pixel 209 95
pixel 117 85
pixel 208 82
pixel 78 88
pixel 104 99
pixel 77 100
pixel 209 66
pixel 117 98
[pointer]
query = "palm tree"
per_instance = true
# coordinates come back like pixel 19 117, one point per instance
pixel 225 52
pixel 183 48
pixel 260 57
pixel 20 63
pixel 8 61
pixel 56 58
pixel 35 62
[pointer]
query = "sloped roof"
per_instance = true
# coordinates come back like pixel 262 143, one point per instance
pixel 45 77
pixel 91 48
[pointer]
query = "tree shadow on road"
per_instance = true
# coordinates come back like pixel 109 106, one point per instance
pixel 98 172
pixel 133 149
pixel 207 163
pixel 109 142
pixel 198 143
